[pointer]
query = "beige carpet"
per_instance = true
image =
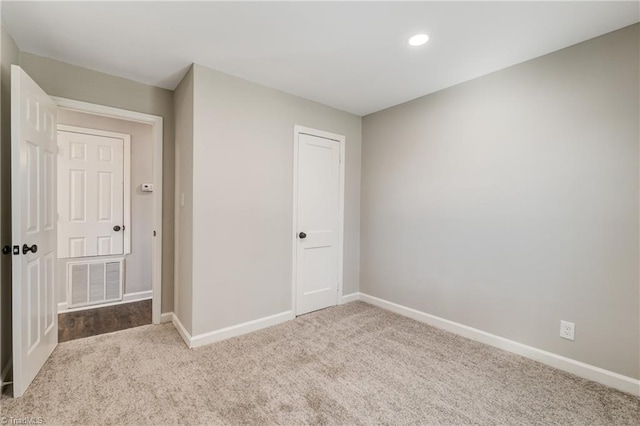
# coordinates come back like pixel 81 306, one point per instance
pixel 353 364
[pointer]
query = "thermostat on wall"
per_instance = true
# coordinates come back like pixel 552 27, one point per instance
pixel 147 187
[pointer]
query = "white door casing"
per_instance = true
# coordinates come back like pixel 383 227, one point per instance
pixel 33 199
pixel 318 216
pixel 91 187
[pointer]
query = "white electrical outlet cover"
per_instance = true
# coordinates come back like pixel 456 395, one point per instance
pixel 567 330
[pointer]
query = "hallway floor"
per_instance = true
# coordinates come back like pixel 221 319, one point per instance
pixel 91 322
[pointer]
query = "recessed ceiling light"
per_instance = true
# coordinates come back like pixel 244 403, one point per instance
pixel 418 40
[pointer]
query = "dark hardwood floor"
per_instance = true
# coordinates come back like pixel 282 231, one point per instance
pixel 91 322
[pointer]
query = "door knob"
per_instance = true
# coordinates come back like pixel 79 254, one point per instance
pixel 6 249
pixel 302 235
pixel 116 228
pixel 26 249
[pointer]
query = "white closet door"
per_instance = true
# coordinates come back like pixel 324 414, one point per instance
pixel 318 222
pixel 91 191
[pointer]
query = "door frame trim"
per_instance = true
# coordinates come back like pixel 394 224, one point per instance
pixel 341 139
pixel 157 124
pixel 126 190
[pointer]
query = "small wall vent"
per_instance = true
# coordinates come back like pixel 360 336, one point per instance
pixel 94 282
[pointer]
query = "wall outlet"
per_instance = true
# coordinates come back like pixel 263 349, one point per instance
pixel 567 330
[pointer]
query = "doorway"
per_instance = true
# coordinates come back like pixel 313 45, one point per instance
pixel 104 237
pixel 318 217
pixel 151 191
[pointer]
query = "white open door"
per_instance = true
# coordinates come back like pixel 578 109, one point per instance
pixel 33 204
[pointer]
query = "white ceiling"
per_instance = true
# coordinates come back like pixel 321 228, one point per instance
pixel 352 56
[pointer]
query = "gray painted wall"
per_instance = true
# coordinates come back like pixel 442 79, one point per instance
pixel 9 54
pixel 510 202
pixel 243 197
pixel 183 101
pixel 73 82
pixel 137 264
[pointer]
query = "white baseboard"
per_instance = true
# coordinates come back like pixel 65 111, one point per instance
pixel 349 298
pixel 5 372
pixel 587 371
pixel 237 330
pixel 126 298
pixel 140 295
pixel 182 331
pixel 228 332
pixel 166 317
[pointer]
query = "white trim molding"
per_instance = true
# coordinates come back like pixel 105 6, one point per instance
pixel 157 123
pixel 351 297
pixel 126 298
pixel 581 369
pixel 139 295
pixel 229 332
pixel 182 331
pixel 166 317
